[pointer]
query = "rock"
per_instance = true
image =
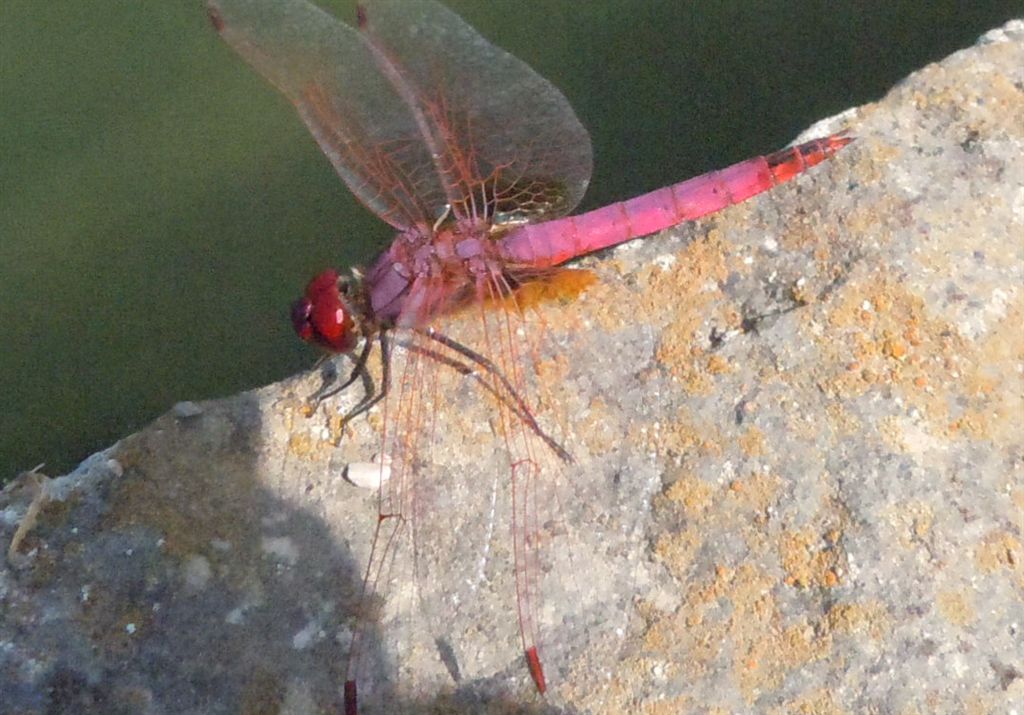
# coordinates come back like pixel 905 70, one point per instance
pixel 797 485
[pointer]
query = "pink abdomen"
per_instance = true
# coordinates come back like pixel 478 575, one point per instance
pixel 554 242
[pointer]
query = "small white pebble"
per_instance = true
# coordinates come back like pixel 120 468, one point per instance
pixel 186 410
pixel 304 638
pixel 197 572
pixel 665 261
pixel 368 475
pixel 220 544
pixel 282 547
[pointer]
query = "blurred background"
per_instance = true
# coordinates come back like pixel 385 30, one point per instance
pixel 160 205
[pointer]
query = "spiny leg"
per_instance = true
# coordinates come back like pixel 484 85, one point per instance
pixel 520 408
pixel 373 397
pixel 358 370
pixel 511 402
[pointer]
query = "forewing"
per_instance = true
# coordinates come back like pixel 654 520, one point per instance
pixel 508 143
pixel 360 122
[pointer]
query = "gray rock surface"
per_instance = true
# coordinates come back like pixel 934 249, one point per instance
pixel 798 488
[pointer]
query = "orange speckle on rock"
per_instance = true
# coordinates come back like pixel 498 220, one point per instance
pixel 717 365
pixel 1000 550
pixel 691 493
pixel 894 349
pixel 300 444
pixel 912 335
pixel 957 607
pixel 806 563
pixel 752 442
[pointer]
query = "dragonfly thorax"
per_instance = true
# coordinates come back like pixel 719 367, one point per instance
pixel 425 274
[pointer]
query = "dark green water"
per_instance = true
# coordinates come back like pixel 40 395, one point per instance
pixel 160 206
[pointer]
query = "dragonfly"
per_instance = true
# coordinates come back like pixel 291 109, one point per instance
pixel 476 161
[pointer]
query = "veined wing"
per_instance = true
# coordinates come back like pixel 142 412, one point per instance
pixel 329 74
pixel 416 111
pixel 499 524
pixel 456 518
pixel 509 144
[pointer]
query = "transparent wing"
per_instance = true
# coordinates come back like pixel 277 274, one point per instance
pixel 473 534
pixel 329 74
pixel 504 132
pixel 519 561
pixel 417 112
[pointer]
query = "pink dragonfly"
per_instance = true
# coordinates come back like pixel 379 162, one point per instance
pixel 476 161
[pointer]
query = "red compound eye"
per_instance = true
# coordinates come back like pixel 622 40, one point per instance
pixel 322 316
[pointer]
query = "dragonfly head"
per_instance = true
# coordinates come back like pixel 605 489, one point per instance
pixel 323 316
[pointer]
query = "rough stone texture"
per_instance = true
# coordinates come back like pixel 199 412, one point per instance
pixel 798 480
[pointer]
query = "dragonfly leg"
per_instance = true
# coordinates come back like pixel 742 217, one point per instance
pixel 468 371
pixel 373 395
pixel 359 370
pixel 518 404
